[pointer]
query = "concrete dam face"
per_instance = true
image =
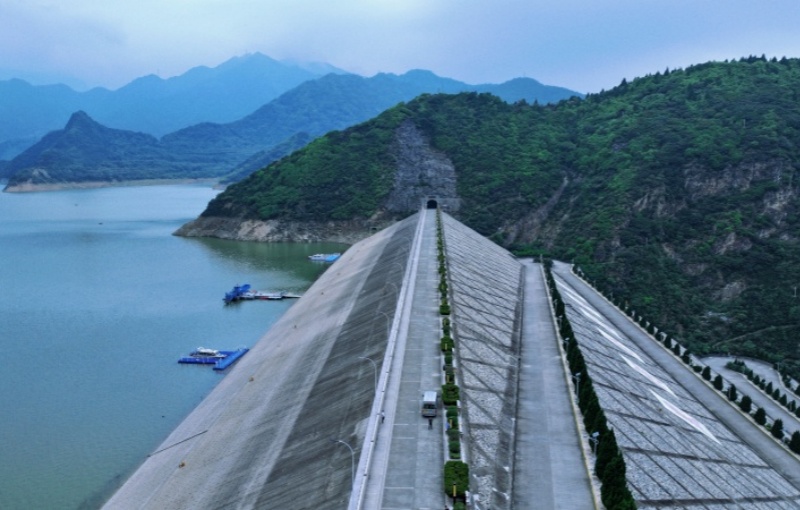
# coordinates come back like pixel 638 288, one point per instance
pixel 324 412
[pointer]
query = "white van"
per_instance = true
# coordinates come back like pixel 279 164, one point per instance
pixel 430 403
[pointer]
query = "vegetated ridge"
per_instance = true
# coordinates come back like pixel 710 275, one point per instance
pixel 209 150
pixel 676 192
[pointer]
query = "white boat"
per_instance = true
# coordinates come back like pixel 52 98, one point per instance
pixel 202 352
pixel 324 257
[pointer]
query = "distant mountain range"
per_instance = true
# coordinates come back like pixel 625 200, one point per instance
pixel 150 104
pixel 85 150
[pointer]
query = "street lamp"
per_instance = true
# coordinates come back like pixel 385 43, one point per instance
pixel 594 440
pixel 352 460
pixel 388 324
pixel 375 366
pixel 577 379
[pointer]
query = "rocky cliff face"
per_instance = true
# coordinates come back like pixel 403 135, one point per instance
pixel 421 174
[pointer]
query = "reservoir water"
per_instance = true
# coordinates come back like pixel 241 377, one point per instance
pixel 97 302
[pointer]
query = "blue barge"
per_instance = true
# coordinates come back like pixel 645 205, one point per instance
pixel 226 359
pixel 237 293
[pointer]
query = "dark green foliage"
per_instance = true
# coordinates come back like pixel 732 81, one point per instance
pixel 454 447
pixel 769 388
pixel 794 442
pixel 706 373
pixel 761 416
pixel 444 309
pixel 446 344
pixel 450 394
pixel 676 349
pixel 718 383
pixel 746 404
pixel 777 429
pixel 456 472
pixel 453 435
pixel 732 395
pixel 737 366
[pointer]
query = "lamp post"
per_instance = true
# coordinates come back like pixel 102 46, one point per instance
pixel 375 366
pixel 388 324
pixel 352 460
pixel 594 440
pixel 577 379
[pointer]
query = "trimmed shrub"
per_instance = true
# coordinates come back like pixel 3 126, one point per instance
pixel 794 443
pixel 777 429
pixel 444 309
pixel 746 404
pixel 761 416
pixel 453 435
pixel 446 344
pixel 456 473
pixel 454 447
pixel 450 394
pixel 718 384
pixel 732 396
pixel 706 373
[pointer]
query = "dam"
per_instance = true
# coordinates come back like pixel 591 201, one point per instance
pixel 324 411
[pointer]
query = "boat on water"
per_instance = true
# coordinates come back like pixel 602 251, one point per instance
pixel 324 257
pixel 203 352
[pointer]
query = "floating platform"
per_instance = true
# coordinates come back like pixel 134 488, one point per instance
pixel 230 357
pixel 243 293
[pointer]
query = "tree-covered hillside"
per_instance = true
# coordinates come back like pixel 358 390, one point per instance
pixel 676 191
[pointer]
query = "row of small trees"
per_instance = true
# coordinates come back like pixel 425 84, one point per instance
pixel 744 402
pixel 609 463
pixel 760 416
pixel 456 472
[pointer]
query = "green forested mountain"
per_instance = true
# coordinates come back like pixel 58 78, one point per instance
pixel 214 150
pixel 675 192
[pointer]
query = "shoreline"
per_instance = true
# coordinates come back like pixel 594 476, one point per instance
pixel 34 188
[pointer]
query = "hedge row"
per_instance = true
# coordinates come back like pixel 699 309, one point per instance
pixel 456 472
pixel 609 463
pixel 744 402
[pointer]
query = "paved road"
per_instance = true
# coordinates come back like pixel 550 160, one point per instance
pixel 550 471
pixel 408 466
pixel 776 456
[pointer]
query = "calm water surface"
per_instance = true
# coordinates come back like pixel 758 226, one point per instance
pixel 97 302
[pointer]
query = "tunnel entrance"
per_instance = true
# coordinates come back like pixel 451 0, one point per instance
pixel 432 204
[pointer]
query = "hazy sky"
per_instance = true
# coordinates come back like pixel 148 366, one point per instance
pixel 584 45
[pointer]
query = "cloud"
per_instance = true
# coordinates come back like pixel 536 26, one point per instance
pixel 583 45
